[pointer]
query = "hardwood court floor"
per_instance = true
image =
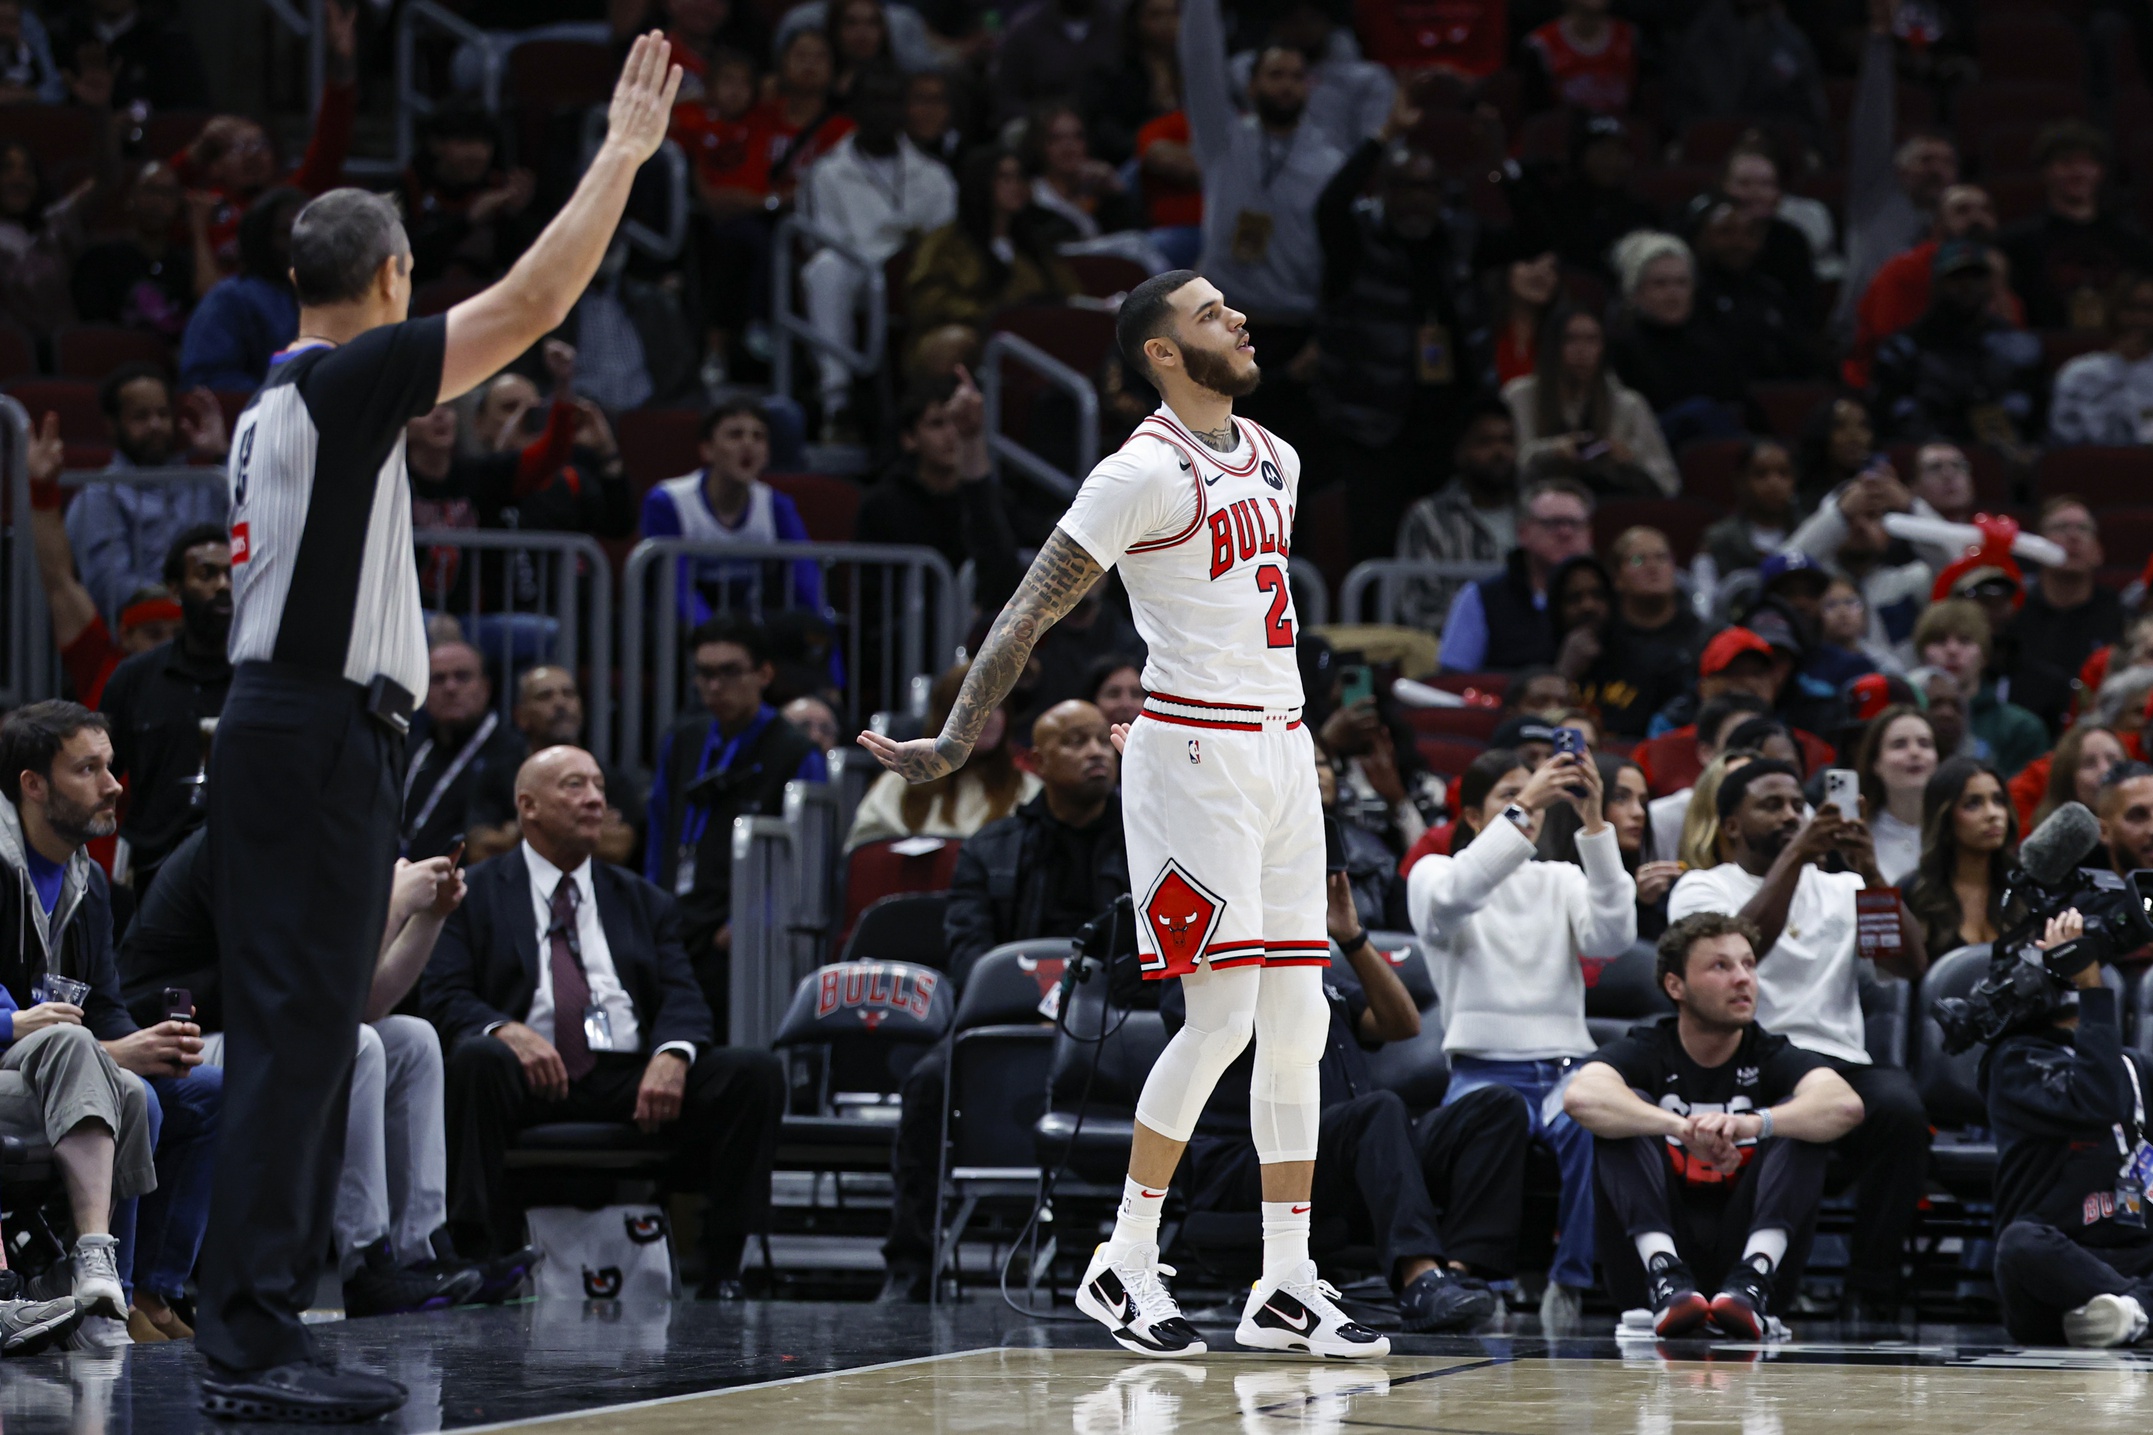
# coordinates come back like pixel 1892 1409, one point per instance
pixel 1091 1392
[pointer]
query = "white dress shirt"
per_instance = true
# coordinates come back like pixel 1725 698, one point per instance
pixel 598 970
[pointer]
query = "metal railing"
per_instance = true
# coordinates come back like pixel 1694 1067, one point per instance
pixel 793 327
pixel 532 597
pixel 1026 354
pixel 411 103
pixel 815 813
pixel 764 901
pixel 24 629
pixel 303 19
pixel 894 614
pixel 1311 594
pixel 1389 577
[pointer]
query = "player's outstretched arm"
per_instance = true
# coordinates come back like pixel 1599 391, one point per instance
pixel 488 330
pixel 1058 579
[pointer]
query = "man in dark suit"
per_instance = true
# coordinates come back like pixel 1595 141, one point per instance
pixel 561 989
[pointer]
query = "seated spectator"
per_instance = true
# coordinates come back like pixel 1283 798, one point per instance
pixel 1583 59
pixel 1902 289
pixel 1050 53
pixel 40 238
pixel 1045 870
pixel 1501 624
pixel 158 702
pixel 1808 988
pixel 1698 845
pixel 2126 813
pixel 1504 936
pixel 247 319
pixel 1624 784
pixel 1466 38
pixel 731 760
pixel 1837 445
pixel 393 1249
pixel 931 105
pixel 1895 761
pixel 2073 772
pixel 816 720
pixel 727 501
pixel 1757 319
pixel 2066 259
pixel 2071 1266
pixel 520 1053
pixel 2106 397
pixel 1624 681
pixel 1797 245
pixel 1677 357
pixel 1716 721
pixel 799 109
pixel 1348 97
pixel 1843 630
pixel 941 493
pixel 1576 418
pixel 142 279
pixel 1956 637
pixel 697 30
pixel 1709 1136
pixel 1473 518
pixel 123 532
pixel 118 52
pixel 234 160
pixel 549 712
pixel 999 252
pixel 1381 784
pixel 1653 616
pixel 1845 537
pixel 1736 660
pixel 986 789
pixel 729 143
pixel 1969 847
pixel 465 214
pixel 457 739
pixel 2067 616
pixel 1115 686
pixel 1594 203
pixel 1438 1197
pixel 1768 737
pixel 1523 286
pixel 873 191
pixel 1763 519
pixel 1746 59
pixel 28 73
pixel 1085 194
pixel 1959 372
pixel 93 1089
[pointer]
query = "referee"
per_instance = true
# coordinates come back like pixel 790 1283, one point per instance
pixel 329 653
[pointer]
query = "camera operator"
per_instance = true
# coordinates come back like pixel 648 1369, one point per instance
pixel 1808 990
pixel 2067 1102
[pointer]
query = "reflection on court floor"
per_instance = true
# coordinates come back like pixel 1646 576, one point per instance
pixel 1105 1393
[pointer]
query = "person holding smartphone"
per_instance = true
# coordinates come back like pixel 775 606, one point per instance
pixel 1384 788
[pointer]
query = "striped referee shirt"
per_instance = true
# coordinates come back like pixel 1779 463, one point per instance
pixel 322 570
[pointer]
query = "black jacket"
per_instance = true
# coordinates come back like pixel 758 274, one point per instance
pixel 1001 891
pixel 75 940
pixel 432 755
pixel 155 702
pixel 172 942
pixel 753 784
pixel 1520 635
pixel 484 968
pixel 1970 380
pixel 2054 1102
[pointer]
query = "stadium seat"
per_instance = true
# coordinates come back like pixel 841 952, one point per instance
pixel 657 444
pixel 441 295
pixel 874 871
pixel 854 1029
pixel 1417 1068
pixel 1079 338
pixel 1887 1010
pixel 1492 684
pixel 66 139
pixel 2006 147
pixel 1478 723
pixel 1543 140
pixel 1407 960
pixel 2101 476
pixel 82 422
pixel 91 351
pixel 1105 275
pixel 1990 102
pixel 2060 346
pixel 2127 537
pixel 1787 406
pixel 1624 992
pixel 1099 1064
pixel 166 132
pixel 1963 1161
pixel 2031 44
pixel 902 927
pixel 1683 520
pixel 1669 189
pixel 828 506
pixel 2018 195
pixel 562 74
pixel 18 354
pixel 1448 756
pixel 1709 467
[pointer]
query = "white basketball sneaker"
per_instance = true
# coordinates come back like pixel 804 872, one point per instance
pixel 1301 1313
pixel 1128 1298
pixel 2104 1322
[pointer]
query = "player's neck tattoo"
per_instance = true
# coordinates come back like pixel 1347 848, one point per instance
pixel 1219 440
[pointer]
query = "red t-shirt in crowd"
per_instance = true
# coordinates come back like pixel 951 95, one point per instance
pixel 1467 37
pixel 1435 842
pixel 1512 359
pixel 727 153
pixel 319 172
pixel 1895 298
pixel 1168 205
pixel 791 151
pixel 1601 80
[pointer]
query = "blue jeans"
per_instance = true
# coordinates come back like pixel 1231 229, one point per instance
pixel 160 1234
pixel 1572 1143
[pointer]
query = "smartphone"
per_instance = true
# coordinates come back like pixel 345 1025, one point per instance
pixel 1569 740
pixel 178 1004
pixel 455 852
pixel 1356 681
pixel 1334 845
pixel 1842 789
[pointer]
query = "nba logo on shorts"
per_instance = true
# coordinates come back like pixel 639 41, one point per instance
pixel 1196 750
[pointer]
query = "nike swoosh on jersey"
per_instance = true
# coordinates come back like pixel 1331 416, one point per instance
pixel 1210 479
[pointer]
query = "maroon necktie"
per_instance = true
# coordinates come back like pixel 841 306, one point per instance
pixel 571 993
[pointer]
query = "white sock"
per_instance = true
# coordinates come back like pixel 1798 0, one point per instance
pixel 1652 1243
pixel 1136 1223
pixel 1285 1238
pixel 1770 1244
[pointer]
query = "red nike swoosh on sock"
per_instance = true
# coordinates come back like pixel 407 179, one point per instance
pixel 1151 1195
pixel 1302 1210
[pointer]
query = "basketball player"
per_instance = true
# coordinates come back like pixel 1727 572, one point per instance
pixel 1225 830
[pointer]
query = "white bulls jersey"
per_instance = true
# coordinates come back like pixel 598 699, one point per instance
pixel 1202 540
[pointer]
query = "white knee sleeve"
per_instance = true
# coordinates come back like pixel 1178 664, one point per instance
pixel 1221 1015
pixel 1285 1101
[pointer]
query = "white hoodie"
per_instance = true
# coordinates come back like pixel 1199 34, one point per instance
pixel 1503 935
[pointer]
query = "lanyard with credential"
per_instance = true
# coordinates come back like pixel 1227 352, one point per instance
pixel 448 776
pixel 695 816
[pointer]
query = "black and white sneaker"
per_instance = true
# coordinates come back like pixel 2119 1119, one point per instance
pixel 1128 1298
pixel 1678 1307
pixel 1301 1313
pixel 30 1326
pixel 1741 1309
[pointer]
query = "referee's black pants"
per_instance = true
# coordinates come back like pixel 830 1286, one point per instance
pixel 303 797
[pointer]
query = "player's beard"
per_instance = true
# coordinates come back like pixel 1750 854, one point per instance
pixel 1215 372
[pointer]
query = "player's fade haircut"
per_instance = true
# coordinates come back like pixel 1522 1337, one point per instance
pixel 1146 315
pixel 1681 937
pixel 339 242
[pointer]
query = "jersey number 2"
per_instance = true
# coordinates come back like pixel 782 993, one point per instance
pixel 1277 628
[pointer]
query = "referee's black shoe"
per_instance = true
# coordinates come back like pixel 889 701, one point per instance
pixel 309 1392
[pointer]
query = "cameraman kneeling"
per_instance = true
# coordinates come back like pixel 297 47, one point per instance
pixel 2074 1258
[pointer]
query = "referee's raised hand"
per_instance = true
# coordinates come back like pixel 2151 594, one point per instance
pixel 642 106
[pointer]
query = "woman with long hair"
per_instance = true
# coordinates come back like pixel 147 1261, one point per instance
pixel 1969 839
pixel 800 108
pixel 1624 783
pixel 999 252
pixel 1699 847
pixel 1574 416
pixel 859 35
pixel 1522 290
pixel 39 240
pixel 1084 193
pixel 2076 767
pixel 986 789
pixel 1836 446
pixel 1896 759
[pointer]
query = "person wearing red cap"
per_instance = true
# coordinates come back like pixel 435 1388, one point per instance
pixel 1736 660
pixel 2065 616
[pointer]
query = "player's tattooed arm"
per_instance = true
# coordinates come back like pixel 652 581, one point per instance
pixel 1058 579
